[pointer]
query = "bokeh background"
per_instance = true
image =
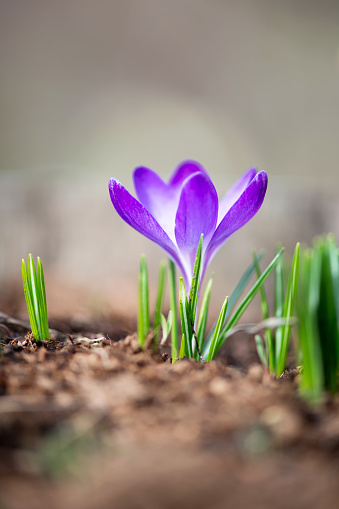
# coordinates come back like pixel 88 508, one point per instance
pixel 91 89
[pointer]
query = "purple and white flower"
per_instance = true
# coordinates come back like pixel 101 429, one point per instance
pixel 174 215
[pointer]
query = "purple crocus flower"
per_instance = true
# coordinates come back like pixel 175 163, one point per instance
pixel 174 215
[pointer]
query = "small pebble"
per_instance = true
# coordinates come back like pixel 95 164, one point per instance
pixel 255 372
pixel 182 366
pixel 219 386
pixel 284 422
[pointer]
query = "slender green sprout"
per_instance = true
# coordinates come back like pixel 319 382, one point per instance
pixel 143 303
pixel 159 322
pixel 173 306
pixel 158 305
pixel 35 294
pixel 273 351
pixel 194 344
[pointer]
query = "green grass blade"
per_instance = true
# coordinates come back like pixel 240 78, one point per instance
pixel 269 344
pixel 203 314
pixel 42 300
pixel 185 316
pixel 278 302
pixel 194 291
pixel 166 326
pixel 334 268
pixel 327 319
pixel 311 382
pixel 159 302
pixel 291 294
pixel 173 305
pixel 249 297
pixel 238 290
pixel 143 303
pixel 241 285
pixel 169 320
pixel 29 300
pixel 35 293
pixel 247 300
pixel 182 352
pixel 261 349
pixel 214 343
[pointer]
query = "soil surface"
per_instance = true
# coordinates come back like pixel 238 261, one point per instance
pixel 89 422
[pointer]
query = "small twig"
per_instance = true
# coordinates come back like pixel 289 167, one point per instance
pixel 8 332
pixel 82 339
pixel 197 345
pixel 7 320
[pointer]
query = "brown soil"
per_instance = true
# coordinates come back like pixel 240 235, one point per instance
pixel 88 423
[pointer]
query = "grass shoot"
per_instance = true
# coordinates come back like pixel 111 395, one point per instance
pixel 35 294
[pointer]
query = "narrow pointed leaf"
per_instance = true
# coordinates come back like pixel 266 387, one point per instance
pixel 193 300
pixel 203 314
pixel 215 340
pixel 34 293
pixel 260 349
pixel 327 319
pixel 278 303
pixel 238 290
pixel 309 350
pixel 29 300
pixel 43 300
pixel 185 317
pixel 247 300
pixel 291 294
pixel 183 349
pixel 163 322
pixel 143 303
pixel 159 301
pixel 173 304
pixel 241 285
pixel 269 345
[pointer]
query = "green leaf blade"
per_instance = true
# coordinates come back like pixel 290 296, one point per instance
pixel 173 306
pixel 143 303
pixel 213 350
pixel 185 316
pixel 42 300
pixel 35 295
pixel 202 322
pixel 159 301
pixel 241 285
pixel 194 291
pixel 291 295
pixel 269 349
pixel 250 295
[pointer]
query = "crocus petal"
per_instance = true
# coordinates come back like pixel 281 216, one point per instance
pixel 185 170
pixel 234 193
pixel 136 215
pixel 157 197
pixel 197 213
pixel 239 214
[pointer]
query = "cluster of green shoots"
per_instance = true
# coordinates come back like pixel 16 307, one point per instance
pixel 35 293
pixel 195 343
pixel 306 292
pixel 318 319
pixel 274 348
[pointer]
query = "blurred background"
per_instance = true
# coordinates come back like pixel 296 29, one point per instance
pixel 91 90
